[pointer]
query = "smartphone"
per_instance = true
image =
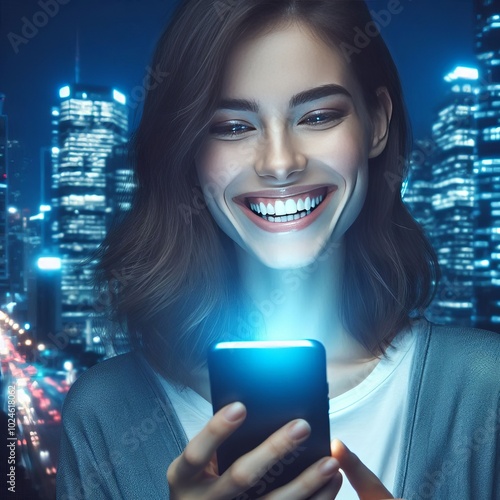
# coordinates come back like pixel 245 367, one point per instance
pixel 277 381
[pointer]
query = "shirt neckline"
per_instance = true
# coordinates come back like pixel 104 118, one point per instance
pixel 396 353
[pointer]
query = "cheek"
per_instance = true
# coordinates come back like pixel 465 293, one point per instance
pixel 216 167
pixel 345 155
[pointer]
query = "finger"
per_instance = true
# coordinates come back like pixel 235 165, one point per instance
pixel 367 485
pixel 321 481
pixel 331 489
pixel 200 450
pixel 249 468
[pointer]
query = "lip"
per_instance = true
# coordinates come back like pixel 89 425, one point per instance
pixel 281 193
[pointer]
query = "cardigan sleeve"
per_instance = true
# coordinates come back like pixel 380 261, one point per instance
pixel 119 435
pixel 453 436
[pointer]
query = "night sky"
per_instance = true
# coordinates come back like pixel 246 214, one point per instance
pixel 427 39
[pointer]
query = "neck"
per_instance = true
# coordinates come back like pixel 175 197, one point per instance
pixel 303 303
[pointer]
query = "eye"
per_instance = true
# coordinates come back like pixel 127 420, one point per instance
pixel 229 129
pixel 319 118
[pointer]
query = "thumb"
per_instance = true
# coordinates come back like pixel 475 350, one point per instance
pixel 367 485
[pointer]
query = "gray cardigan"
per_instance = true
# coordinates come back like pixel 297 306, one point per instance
pixel 120 432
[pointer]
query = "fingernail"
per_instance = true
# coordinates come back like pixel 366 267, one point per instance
pixel 329 466
pixel 234 412
pixel 299 429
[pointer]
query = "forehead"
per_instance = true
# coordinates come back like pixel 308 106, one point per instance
pixel 283 61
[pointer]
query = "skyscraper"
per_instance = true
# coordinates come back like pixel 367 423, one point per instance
pixel 419 189
pixel 89 121
pixel 454 134
pixel 119 182
pixel 4 285
pixel 487 166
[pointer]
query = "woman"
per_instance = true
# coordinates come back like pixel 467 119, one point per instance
pixel 266 208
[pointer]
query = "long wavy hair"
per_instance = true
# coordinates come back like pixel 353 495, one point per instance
pixel 168 268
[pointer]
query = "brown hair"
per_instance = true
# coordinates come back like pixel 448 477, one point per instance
pixel 179 288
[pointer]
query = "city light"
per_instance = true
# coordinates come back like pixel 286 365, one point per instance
pixel 45 208
pixel 462 72
pixel 49 263
pixel 119 97
pixel 41 347
pixel 55 150
pixel 64 91
pixel 12 210
pixel 27 342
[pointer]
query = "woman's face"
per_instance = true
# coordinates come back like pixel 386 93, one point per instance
pixel 284 167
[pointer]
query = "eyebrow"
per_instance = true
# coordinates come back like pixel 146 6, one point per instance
pixel 298 99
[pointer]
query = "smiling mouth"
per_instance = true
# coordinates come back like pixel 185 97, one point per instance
pixel 286 209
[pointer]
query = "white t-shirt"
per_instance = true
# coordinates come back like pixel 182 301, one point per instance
pixel 368 418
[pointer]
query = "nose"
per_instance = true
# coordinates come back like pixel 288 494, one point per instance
pixel 279 157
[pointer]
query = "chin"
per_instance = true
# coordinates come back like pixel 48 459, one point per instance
pixel 286 256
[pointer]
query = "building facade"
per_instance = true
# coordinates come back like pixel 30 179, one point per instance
pixel 88 122
pixel 120 183
pixel 454 136
pixel 4 276
pixel 487 166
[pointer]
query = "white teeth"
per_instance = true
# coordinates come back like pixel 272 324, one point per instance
pixel 286 218
pixel 286 210
pixel 280 208
pixel 290 207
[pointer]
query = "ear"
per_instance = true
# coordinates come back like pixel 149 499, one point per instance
pixel 381 122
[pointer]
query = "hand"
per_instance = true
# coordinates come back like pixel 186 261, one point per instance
pixel 193 475
pixel 362 479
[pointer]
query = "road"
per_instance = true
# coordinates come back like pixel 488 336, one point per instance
pixel 40 393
